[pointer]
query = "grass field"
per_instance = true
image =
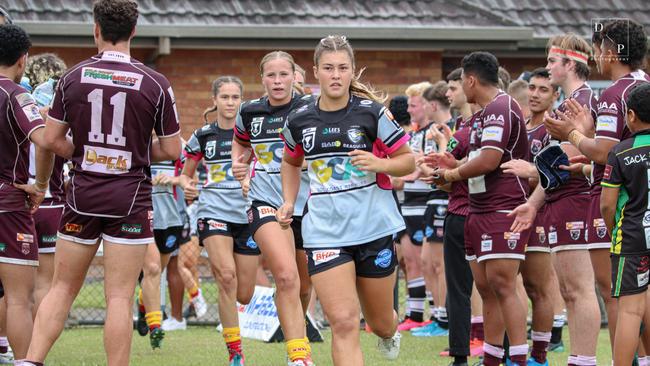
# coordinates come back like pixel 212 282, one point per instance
pixel 204 346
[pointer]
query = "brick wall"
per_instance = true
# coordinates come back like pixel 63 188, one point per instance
pixel 191 72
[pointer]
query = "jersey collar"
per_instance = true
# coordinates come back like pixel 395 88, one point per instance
pixel 115 56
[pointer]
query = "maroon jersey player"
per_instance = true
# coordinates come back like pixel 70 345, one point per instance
pixel 497 245
pixel 20 123
pixel 111 104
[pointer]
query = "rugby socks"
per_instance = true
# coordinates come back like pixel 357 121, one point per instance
pixel 407 311
pixel 417 295
pixel 308 346
pixel 476 330
pixel 558 323
pixel 193 292
pixel 140 302
pixel 492 354
pixel 441 317
pixel 644 361
pixel 153 318
pixel 28 363
pixel 460 360
pixel 297 349
pixel 540 344
pixel 232 337
pixel 4 345
pixel 518 354
pixel 432 308
pixel 581 360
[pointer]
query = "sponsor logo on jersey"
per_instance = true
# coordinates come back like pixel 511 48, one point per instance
pixel 355 135
pixel 511 236
pixel 552 235
pixel 266 154
pixel 25 237
pixel 599 223
pixel 367 102
pixel 604 107
pixel 575 234
pixel 338 168
pixel 324 255
pixel 541 234
pixel 336 143
pixel 103 160
pixel 451 145
pixel 25 99
pixel 384 258
pixel 256 126
pixel 210 149
pixel 48 238
pixel 635 159
pixel 535 146
pixel 575 225
pixel 308 138
pixel 73 228
pixel 608 172
pixel 646 219
pixel 220 172
pixel 493 119
pixel 512 244
pixel 265 211
pixel 274 131
pixel 492 133
pixel 131 228
pixel 276 119
pixel 601 232
pixel 606 123
pixel 32 113
pixel 25 249
pixel 121 79
pixel 486 245
pixel 441 210
pixel 171 240
pixel 217 225
pixel 331 130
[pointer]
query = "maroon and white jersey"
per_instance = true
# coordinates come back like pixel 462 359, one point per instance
pixel 19 117
pixel 537 139
pixel 499 126
pixel 610 123
pixel 55 194
pixel 459 146
pixel 576 185
pixel 112 103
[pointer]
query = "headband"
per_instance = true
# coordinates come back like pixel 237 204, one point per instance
pixel 576 56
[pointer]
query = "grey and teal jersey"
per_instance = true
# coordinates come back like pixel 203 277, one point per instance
pixel 260 123
pixel 347 206
pixel 165 210
pixel 628 168
pixel 221 196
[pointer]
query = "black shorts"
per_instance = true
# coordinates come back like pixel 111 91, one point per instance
pixel 375 259
pixel 434 221
pixel 261 213
pixel 415 229
pixel 240 234
pixel 168 240
pixel 630 274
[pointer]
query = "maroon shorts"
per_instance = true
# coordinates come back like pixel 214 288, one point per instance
pixel 597 235
pixel 18 244
pixel 488 236
pixel 46 221
pixel 136 228
pixel 538 241
pixel 566 223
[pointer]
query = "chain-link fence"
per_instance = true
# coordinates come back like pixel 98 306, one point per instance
pixel 90 305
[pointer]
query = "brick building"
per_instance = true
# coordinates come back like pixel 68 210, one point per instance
pixel 399 42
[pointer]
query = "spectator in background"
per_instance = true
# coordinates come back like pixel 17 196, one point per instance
pixel 518 89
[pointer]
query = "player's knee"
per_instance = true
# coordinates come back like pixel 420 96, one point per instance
pixel 344 321
pixel 151 269
pixel 227 278
pixel 244 295
pixel 287 281
pixel 502 285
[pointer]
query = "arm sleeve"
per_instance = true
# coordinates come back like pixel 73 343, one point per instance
pixel 193 148
pixel 612 177
pixel 240 127
pixel 291 136
pixel 389 133
pixel 26 113
pixel 167 122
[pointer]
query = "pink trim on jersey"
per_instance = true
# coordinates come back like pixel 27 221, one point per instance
pixel 242 136
pixel 389 150
pixel 195 157
pixel 297 153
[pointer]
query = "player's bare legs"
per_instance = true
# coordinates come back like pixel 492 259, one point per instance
pixel 18 282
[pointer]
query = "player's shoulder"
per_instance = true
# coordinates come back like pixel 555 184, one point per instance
pixel 254 106
pixel 365 105
pixel 622 147
pixel 206 130
pixel 302 100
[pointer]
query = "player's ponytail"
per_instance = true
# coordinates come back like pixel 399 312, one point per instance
pixel 340 43
pixel 216 85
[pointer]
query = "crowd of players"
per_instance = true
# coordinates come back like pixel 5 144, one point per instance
pixel 486 192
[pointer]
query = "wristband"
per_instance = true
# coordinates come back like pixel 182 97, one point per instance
pixel 575 137
pixel 452 175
